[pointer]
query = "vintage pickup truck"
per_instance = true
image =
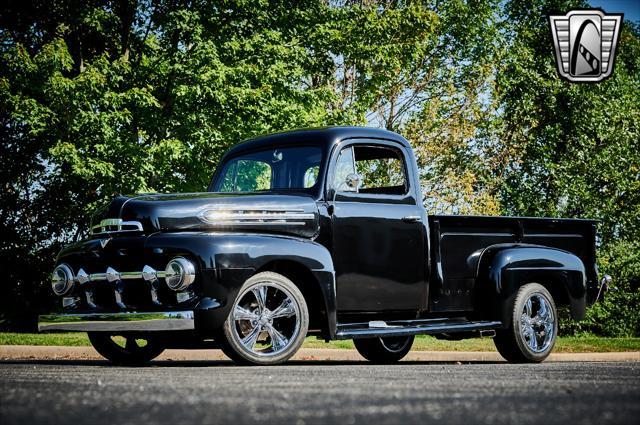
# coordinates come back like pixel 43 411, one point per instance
pixel 317 232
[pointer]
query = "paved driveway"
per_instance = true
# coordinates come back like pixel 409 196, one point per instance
pixel 319 392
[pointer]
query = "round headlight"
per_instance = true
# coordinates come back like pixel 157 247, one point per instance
pixel 62 279
pixel 180 273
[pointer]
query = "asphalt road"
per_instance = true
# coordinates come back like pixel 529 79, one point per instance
pixel 319 392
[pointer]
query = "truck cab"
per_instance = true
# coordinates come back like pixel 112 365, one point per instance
pixel 318 232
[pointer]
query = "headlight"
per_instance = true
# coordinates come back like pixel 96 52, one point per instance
pixel 62 279
pixel 180 273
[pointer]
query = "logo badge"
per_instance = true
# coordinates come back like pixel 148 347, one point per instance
pixel 104 242
pixel 585 42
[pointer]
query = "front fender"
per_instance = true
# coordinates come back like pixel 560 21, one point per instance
pixel 503 269
pixel 233 258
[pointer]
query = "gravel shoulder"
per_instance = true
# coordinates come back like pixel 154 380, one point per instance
pixel 33 352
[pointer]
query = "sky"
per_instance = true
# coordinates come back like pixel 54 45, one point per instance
pixel 630 8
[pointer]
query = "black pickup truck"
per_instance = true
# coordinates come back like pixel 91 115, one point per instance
pixel 317 232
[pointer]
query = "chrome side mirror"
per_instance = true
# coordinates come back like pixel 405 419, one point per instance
pixel 353 181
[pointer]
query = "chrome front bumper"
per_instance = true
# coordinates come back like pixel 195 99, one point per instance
pixel 118 322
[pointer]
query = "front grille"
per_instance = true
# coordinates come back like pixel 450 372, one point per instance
pixel 120 274
pixel 105 288
pixel 136 295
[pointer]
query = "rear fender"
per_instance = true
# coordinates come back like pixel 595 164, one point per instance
pixel 504 268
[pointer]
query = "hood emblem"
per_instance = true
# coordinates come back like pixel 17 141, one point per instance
pixel 104 242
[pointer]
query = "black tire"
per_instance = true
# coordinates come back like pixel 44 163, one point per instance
pixel 384 350
pixel 515 344
pixel 132 353
pixel 279 291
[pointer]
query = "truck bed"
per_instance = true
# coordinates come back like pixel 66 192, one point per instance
pixel 458 241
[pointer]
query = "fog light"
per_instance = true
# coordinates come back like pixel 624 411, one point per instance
pixel 180 273
pixel 62 279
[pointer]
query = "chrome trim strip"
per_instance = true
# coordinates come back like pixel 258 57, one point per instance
pixel 269 216
pixel 118 224
pixel 97 277
pixel 261 216
pixel 254 223
pixel 118 322
pixel 415 329
pixel 259 208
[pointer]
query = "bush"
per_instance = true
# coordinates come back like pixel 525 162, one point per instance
pixel 619 314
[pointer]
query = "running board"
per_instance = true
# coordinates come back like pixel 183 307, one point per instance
pixel 379 328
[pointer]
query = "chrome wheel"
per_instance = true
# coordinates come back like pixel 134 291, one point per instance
pixel 537 323
pixel 533 328
pixel 395 344
pixel 266 319
pixel 384 350
pixel 126 349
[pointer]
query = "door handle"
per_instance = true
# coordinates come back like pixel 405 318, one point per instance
pixel 411 219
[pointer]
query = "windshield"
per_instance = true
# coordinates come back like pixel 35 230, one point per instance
pixel 271 169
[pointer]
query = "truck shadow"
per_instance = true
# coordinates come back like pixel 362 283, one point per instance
pixel 229 363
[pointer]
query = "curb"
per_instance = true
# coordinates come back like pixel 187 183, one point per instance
pixel 37 352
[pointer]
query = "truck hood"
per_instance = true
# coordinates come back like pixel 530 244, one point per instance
pixel 292 214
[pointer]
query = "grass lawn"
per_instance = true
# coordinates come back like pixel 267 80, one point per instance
pixel 577 344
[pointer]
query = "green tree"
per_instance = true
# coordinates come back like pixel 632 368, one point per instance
pixel 451 120
pixel 123 96
pixel 105 97
pixel 575 149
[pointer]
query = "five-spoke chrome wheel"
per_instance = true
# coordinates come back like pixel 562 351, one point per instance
pixel 537 323
pixel 268 321
pixel 532 332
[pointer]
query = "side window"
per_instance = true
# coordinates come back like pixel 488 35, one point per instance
pixel 344 167
pixel 382 170
pixel 246 176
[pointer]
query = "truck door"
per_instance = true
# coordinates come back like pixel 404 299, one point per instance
pixel 377 228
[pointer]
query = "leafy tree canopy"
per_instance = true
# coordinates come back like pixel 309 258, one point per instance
pixel 105 97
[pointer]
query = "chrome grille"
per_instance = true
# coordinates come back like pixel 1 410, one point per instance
pixel 119 290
